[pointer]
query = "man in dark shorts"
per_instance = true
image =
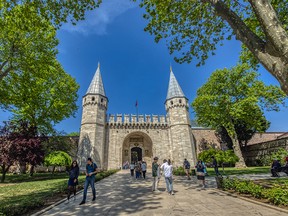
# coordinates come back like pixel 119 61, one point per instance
pixel 186 166
pixel 91 170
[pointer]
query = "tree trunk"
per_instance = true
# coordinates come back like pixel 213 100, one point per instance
pixel 53 170
pixel 237 150
pixel 31 170
pixel 4 171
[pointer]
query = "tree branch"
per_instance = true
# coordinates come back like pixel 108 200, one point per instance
pixel 5 73
pixel 271 25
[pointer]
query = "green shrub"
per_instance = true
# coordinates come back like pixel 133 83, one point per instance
pixel 179 171
pixel 277 195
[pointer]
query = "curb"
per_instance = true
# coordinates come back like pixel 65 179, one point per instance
pixel 252 201
pixel 54 205
pixel 61 201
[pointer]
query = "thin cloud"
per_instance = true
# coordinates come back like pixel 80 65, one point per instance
pixel 96 21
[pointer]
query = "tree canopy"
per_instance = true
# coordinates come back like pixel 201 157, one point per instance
pixel 57 158
pixel 194 28
pixel 43 97
pixel 233 95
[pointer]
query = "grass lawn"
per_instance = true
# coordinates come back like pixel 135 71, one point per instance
pixel 240 171
pixel 19 195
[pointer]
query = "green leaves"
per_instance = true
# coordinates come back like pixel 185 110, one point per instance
pixel 57 158
pixel 236 94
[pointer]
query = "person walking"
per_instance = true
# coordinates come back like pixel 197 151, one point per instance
pixel 73 179
pixel 155 174
pixel 215 165
pixel 137 170
pixel 186 166
pixel 91 170
pixel 168 174
pixel 200 173
pixel 144 168
pixel 132 167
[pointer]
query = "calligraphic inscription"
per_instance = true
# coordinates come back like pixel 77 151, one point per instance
pixel 136 139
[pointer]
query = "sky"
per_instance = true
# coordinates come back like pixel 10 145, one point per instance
pixel 133 66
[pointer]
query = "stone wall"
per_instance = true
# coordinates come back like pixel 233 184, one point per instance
pixel 254 153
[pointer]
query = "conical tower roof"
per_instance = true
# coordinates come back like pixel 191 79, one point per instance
pixel 96 85
pixel 174 89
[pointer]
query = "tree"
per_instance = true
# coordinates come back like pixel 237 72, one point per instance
pixel 43 98
pixel 233 95
pixel 244 134
pixel 20 142
pixel 28 29
pixel 57 158
pixel 222 157
pixel 194 28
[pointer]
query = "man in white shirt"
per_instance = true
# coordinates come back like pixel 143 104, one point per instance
pixel 168 173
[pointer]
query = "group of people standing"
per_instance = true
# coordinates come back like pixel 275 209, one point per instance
pixel 167 169
pixel 140 169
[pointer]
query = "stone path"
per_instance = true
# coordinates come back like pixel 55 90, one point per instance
pixel 120 195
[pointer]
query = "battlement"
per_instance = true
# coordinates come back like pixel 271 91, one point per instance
pixel 134 119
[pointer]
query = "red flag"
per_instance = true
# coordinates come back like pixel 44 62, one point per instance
pixel 136 104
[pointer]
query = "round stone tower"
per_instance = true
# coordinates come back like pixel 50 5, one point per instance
pixel 92 133
pixel 180 134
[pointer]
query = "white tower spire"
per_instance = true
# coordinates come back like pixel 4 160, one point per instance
pixel 96 85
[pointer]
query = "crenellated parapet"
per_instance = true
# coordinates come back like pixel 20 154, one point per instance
pixel 137 120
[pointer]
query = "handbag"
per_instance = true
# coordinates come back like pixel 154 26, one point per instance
pixel 200 174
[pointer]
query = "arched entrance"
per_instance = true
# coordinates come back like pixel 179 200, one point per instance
pixel 137 146
pixel 136 154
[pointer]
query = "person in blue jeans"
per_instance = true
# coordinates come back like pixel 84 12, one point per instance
pixel 91 170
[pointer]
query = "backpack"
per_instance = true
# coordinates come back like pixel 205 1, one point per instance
pixel 200 166
pixel 187 165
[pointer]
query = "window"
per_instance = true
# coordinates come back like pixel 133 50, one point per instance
pixel 171 102
pixel 93 98
pixel 180 101
pixel 102 100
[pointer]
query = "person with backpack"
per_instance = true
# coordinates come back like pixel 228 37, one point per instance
pixel 91 170
pixel 186 166
pixel 200 173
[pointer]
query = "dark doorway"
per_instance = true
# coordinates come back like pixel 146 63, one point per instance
pixel 136 154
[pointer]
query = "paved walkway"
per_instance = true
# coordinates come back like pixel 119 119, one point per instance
pixel 120 195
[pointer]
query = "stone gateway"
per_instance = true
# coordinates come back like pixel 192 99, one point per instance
pixel 113 140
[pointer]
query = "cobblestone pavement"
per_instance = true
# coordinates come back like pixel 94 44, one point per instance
pixel 120 195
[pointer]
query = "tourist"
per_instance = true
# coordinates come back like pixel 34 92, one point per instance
pixel 137 170
pixel 73 179
pixel 144 168
pixel 132 167
pixel 186 166
pixel 155 174
pixel 200 173
pixel 168 172
pixel 215 165
pixel 275 167
pixel 91 170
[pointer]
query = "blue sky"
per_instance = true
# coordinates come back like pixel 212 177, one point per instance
pixel 133 66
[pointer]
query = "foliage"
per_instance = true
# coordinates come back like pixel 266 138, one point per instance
pixel 222 157
pixel 73 134
pixel 196 28
pixel 244 134
pixel 57 158
pixel 19 142
pixel 55 11
pixel 236 95
pixel 279 154
pixel 33 192
pixel 277 195
pixel 179 171
pixel 43 98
